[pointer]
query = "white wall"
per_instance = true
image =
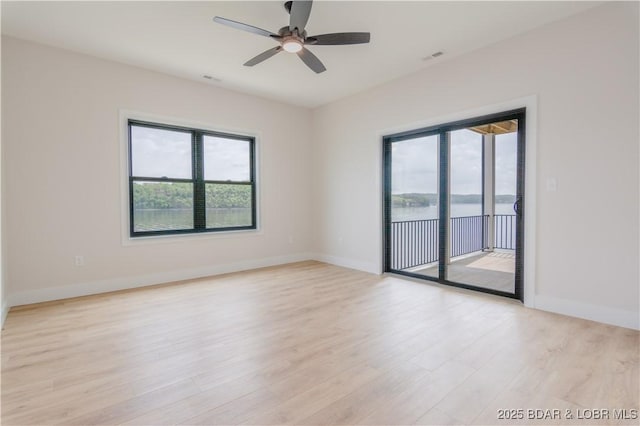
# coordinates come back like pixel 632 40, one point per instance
pixel 4 307
pixel 61 144
pixel 584 73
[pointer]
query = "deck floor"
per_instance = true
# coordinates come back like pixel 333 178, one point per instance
pixel 494 270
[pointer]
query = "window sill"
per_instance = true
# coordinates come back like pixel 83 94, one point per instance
pixel 182 238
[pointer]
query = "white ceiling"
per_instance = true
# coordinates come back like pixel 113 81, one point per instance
pixel 179 38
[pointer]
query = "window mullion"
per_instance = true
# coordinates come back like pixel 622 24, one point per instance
pixel 199 212
pixel 252 177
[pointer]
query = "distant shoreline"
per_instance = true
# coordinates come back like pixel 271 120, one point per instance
pixel 414 199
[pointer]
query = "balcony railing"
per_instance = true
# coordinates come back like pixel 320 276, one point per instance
pixel 415 242
pixel 505 231
pixel 468 234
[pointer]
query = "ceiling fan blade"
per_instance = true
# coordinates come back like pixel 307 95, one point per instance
pixel 263 56
pixel 311 60
pixel 245 27
pixel 338 38
pixel 299 14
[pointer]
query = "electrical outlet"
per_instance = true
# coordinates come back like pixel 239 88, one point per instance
pixel 552 184
pixel 79 260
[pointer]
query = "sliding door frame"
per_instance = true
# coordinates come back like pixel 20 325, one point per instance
pixel 443 131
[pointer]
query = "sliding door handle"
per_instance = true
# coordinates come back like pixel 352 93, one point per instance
pixel 517 206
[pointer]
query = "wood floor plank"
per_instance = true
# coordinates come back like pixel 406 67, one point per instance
pixel 413 401
pixel 306 343
pixel 465 402
pixel 356 406
pixel 133 407
pixel 316 398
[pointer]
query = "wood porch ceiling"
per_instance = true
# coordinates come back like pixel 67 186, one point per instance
pixel 498 128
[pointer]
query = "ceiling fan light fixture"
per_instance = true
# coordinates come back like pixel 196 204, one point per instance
pixel 292 45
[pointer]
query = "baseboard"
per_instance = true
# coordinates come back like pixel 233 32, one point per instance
pixel 5 311
pixel 126 283
pixel 359 265
pixel 619 317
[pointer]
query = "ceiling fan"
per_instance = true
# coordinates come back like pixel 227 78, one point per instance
pixel 293 38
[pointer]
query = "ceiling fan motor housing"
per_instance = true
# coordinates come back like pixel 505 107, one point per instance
pixel 286 32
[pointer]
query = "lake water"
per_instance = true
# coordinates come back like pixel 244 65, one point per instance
pixel 400 214
pixel 165 219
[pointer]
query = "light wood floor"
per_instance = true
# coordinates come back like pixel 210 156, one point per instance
pixel 307 343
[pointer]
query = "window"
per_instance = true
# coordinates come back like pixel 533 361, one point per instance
pixel 184 180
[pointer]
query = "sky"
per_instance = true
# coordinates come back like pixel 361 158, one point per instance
pixel 160 153
pixel 415 164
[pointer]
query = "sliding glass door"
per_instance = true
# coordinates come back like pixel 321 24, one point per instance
pixel 453 203
pixel 414 213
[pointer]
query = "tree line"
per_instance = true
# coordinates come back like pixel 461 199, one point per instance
pixel 427 199
pixel 180 196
